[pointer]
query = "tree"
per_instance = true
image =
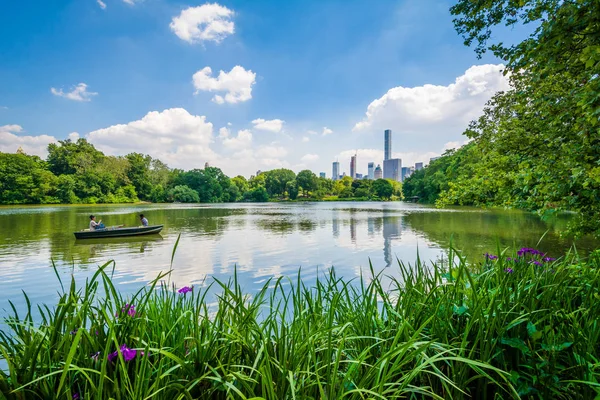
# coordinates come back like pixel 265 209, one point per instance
pixel 24 179
pixel 383 188
pixel 292 189
pixel 69 157
pixel 258 194
pixel 275 180
pixel 307 180
pixel 241 183
pixel 139 174
pixel 183 194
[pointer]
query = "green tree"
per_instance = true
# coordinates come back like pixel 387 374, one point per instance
pixel 383 188
pixel 139 174
pixel 292 189
pixel 68 157
pixel 275 180
pixel 183 194
pixel 258 194
pixel 307 180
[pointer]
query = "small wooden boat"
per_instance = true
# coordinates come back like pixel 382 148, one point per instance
pixel 117 231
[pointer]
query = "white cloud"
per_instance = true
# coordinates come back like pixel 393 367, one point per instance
pixel 74 136
pixel 327 131
pixel 308 158
pixel 79 93
pixel 274 125
pixel 208 22
pixel 311 132
pixel 241 141
pixel 224 133
pixel 237 83
pixel 11 128
pixel 102 4
pixel 132 2
pixel 435 110
pixel 34 145
pixel 174 136
pixel 271 152
pixel 305 139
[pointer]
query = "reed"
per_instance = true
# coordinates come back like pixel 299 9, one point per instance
pixel 506 328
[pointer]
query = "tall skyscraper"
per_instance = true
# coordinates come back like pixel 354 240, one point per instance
pixel 321 174
pixel 378 172
pixel 387 154
pixel 418 166
pixel 405 173
pixel 371 170
pixel 335 173
pixel 392 169
pixel 353 167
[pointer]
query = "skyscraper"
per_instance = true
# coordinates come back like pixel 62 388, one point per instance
pixel 371 170
pixel 418 166
pixel 335 173
pixel 392 169
pixel 405 173
pixel 353 167
pixel 378 172
pixel 321 174
pixel 387 154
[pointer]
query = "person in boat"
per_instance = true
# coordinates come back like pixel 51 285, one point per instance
pixel 144 220
pixel 95 225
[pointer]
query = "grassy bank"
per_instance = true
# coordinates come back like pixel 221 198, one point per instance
pixel 524 326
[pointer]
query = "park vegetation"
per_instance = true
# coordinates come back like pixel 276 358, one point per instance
pixel 520 325
pixel 76 172
pixel 537 145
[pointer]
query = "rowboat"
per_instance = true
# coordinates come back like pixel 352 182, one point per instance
pixel 117 231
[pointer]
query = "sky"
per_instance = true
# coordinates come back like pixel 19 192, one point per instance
pixel 242 85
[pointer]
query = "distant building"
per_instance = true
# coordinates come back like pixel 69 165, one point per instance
pixel 206 165
pixel 378 174
pixel 392 169
pixel 418 166
pixel 387 154
pixel 405 173
pixel 433 159
pixel 335 173
pixel 359 176
pixel 353 166
pixel 371 174
pixel 322 175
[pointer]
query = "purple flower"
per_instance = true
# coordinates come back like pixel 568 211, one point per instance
pixel 548 259
pixel 76 396
pixel 509 270
pixel 490 256
pixel 128 354
pixel 529 250
pixel 539 264
pixel 184 290
pixel 128 309
pixel 509 259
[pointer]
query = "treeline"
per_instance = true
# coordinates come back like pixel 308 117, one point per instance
pixel 536 146
pixel 77 172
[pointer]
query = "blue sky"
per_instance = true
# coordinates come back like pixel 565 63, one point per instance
pixel 353 67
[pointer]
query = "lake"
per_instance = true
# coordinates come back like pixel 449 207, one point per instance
pixel 261 240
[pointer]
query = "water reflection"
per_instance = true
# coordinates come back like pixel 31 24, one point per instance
pixel 261 241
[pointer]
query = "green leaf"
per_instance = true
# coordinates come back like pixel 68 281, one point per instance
pixel 516 343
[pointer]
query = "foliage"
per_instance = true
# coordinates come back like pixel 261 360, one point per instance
pixel 307 180
pixel 540 140
pixel 523 326
pixel 383 188
pixel 183 194
pixel 25 179
pixel 277 179
pixel 292 189
pixel 258 194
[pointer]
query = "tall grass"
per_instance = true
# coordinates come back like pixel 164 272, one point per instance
pixel 498 330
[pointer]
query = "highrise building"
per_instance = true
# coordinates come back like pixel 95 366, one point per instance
pixel 371 170
pixel 418 166
pixel 335 173
pixel 359 176
pixel 378 174
pixel 353 167
pixel 392 169
pixel 322 174
pixel 405 173
pixel 387 150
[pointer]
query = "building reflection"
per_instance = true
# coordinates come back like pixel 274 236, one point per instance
pixel 392 230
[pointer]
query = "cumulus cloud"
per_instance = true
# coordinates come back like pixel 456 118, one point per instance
pixel 274 125
pixel 102 4
pixel 79 93
pixel 73 136
pixel 241 141
pixel 312 132
pixel 34 145
pixel 308 158
pixel 237 84
pixel 224 133
pixel 208 22
pixel 305 139
pixel 271 152
pixel 175 136
pixel 435 109
pixel 327 131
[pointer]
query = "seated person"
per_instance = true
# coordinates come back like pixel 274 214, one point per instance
pixel 95 225
pixel 144 220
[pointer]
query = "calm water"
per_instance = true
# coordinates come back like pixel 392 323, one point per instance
pixel 262 240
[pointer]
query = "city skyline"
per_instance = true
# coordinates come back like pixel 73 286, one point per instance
pixel 265 91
